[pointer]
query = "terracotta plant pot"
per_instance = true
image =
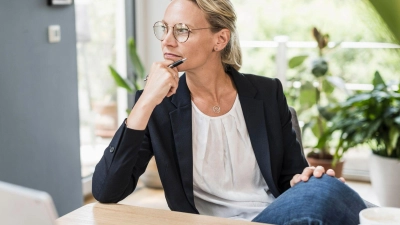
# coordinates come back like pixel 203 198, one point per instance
pixel 106 119
pixel 327 164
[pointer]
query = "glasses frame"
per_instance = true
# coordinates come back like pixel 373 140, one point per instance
pixel 173 31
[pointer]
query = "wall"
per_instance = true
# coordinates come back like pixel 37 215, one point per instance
pixel 39 123
pixel 147 13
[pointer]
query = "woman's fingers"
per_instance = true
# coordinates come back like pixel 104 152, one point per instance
pixel 295 180
pixel 312 171
pixel 304 176
pixel 174 79
pixel 331 172
pixel 162 82
pixel 307 173
pixel 319 171
pixel 172 89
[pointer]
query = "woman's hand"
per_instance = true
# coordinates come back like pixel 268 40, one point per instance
pixel 162 82
pixel 312 171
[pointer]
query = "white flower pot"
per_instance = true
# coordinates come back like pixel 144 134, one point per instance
pixel 385 179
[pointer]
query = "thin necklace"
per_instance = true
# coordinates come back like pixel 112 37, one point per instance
pixel 215 108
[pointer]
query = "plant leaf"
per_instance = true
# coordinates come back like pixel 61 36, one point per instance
pixel 297 61
pixel 121 82
pixel 389 12
pixel 339 83
pixel 137 86
pixel 327 86
pixel 307 125
pixel 319 67
pixel 394 135
pixel 318 125
pixel 307 96
pixel 136 62
pixel 397 120
pixel 356 99
pixel 378 80
pixel 326 112
pixel 373 127
pixel 323 140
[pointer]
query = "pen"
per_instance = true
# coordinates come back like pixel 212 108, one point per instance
pixel 172 65
pixel 177 63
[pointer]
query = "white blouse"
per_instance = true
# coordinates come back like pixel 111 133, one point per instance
pixel 227 181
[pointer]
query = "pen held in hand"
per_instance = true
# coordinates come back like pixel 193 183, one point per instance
pixel 172 65
pixel 177 63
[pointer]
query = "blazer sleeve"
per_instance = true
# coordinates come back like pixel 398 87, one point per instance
pixel 294 161
pixel 124 160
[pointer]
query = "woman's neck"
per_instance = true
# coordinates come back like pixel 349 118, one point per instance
pixel 211 83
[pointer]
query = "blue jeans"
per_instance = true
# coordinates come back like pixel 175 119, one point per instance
pixel 324 200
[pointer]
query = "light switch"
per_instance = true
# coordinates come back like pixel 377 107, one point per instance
pixel 54 33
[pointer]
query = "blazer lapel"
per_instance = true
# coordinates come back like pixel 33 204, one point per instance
pixel 254 115
pixel 181 121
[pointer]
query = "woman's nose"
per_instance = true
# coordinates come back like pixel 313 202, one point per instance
pixel 169 38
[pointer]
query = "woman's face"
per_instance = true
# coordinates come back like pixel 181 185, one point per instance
pixel 198 49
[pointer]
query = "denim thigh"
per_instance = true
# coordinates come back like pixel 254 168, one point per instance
pixel 324 200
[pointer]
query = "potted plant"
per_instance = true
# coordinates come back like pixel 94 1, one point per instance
pixel 139 72
pixel 374 118
pixel 314 93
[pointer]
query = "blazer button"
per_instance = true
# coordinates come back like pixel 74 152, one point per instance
pixel 112 149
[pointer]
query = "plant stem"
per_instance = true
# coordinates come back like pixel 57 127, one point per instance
pixel 321 130
pixel 319 118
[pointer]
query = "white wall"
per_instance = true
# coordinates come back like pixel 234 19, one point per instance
pixel 147 13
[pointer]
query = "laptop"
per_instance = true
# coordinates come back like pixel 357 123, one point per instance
pixel 21 205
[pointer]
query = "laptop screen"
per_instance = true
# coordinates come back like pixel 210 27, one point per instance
pixel 21 205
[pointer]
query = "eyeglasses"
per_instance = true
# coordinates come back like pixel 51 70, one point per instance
pixel 180 31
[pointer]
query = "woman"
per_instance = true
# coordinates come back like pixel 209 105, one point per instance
pixel 223 141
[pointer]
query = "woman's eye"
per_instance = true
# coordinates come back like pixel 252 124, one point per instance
pixel 182 31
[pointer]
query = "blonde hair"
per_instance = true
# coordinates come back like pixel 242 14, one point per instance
pixel 220 14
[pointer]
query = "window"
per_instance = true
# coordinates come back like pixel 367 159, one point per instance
pixel 366 47
pixel 96 40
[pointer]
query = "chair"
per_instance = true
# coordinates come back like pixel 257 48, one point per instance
pixel 296 127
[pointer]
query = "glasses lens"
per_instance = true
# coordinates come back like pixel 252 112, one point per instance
pixel 181 32
pixel 160 30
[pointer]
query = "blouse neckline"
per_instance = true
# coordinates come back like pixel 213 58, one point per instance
pixel 217 117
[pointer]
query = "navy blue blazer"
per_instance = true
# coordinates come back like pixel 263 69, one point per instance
pixel 168 137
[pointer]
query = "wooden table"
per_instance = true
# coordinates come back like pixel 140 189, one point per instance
pixel 97 213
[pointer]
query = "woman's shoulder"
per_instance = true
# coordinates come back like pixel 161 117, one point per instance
pixel 262 82
pixel 258 78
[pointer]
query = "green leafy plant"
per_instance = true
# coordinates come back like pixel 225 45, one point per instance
pixel 139 72
pixel 314 93
pixel 389 11
pixel 369 117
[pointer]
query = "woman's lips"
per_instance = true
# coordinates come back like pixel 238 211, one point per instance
pixel 171 56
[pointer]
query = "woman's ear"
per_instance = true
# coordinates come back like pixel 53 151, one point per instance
pixel 222 39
